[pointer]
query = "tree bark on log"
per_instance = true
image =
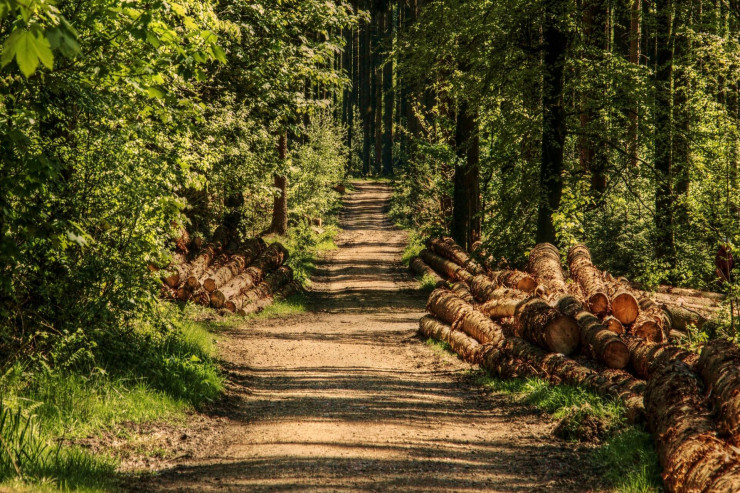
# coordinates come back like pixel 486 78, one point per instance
pixel 445 268
pixel 447 248
pixel 693 458
pixel 282 293
pixel 272 258
pixel 652 324
pixel 681 317
pixel 514 279
pixel 647 357
pixel 481 328
pixel 447 306
pixel 719 366
pixel 623 301
pixel 272 283
pixel 540 323
pixel 544 265
pixel 502 302
pixel 237 263
pixel 604 345
pixel 420 268
pixel 589 278
pixel 462 290
pixel 691 293
pixel 462 344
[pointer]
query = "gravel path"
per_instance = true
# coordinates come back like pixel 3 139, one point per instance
pixel 346 397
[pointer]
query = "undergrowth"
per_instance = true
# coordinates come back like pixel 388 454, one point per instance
pixel 89 385
pixel 306 244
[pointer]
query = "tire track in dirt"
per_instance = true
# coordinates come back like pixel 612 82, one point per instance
pixel 347 398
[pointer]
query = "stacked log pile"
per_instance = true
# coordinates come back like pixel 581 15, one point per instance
pixel 620 334
pixel 240 279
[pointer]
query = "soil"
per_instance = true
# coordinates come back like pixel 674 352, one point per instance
pixel 346 397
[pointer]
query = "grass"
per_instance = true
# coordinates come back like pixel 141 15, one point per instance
pixel 415 245
pixel 440 346
pixel 143 374
pixel 293 305
pixel 306 245
pixel 626 454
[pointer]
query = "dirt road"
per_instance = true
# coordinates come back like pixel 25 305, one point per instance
pixel 347 398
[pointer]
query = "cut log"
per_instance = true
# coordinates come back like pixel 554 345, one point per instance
pixel 272 258
pixel 445 268
pixel 719 366
pixel 171 275
pixel 420 268
pixel 693 293
pixel 540 323
pixel 447 306
pixel 447 248
pixel 681 318
pixel 613 324
pixel 481 328
pixel 692 456
pixel 502 302
pixel 544 265
pixel 462 344
pixel 589 278
pixel 514 279
pixel 237 263
pixel 194 282
pixel 652 323
pixel 623 301
pixel 282 293
pixel 240 283
pixel 272 283
pixel 462 291
pixel 647 357
pixel 603 344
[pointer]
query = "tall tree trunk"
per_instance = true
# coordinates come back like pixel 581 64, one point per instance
pixel 553 118
pixel 378 92
pixel 593 155
pixel 665 244
pixel 388 100
pixel 634 58
pixel 279 223
pixel 680 155
pixel 465 229
pixel 366 109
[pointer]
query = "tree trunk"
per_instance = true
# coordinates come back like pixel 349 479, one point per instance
pixel 380 16
pixel 466 196
pixel 647 357
pixel 623 301
pixel 553 118
pixel 279 225
pixel 634 58
pixel 462 344
pixel 665 242
pixel 388 100
pixel 447 248
pixel 366 108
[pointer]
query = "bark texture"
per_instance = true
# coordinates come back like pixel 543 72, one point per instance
pixel 544 265
pixel 589 278
pixel 693 458
pixel 719 366
pixel 603 344
pixel 540 323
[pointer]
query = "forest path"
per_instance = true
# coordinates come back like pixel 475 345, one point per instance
pixel 347 398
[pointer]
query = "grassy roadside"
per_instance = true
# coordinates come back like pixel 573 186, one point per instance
pixel 624 454
pixel 53 404
pixel 144 374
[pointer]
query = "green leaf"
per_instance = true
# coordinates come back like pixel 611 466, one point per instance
pixel 29 50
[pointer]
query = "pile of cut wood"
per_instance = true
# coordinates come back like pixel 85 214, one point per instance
pixel 599 332
pixel 241 279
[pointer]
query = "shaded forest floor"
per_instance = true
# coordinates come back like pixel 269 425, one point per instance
pixel 347 397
